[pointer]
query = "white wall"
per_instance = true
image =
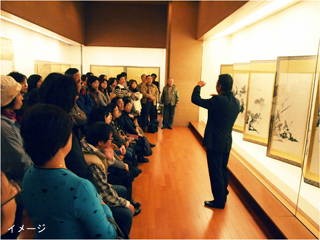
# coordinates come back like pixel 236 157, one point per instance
pixel 122 56
pixel 291 32
pixel 29 45
pixel 294 31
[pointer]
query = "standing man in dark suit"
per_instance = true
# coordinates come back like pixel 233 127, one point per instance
pixel 223 110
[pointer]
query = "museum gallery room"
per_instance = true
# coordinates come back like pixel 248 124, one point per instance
pixel 271 50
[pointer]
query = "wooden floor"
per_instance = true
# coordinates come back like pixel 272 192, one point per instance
pixel 172 189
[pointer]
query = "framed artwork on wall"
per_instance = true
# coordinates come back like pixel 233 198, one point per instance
pixel 290 108
pixel 259 101
pixel 240 89
pixel 311 170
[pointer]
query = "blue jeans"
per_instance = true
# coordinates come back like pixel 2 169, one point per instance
pixel 168 114
pixel 121 190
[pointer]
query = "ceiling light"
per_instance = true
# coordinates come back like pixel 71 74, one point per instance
pixel 33 29
pixel 272 7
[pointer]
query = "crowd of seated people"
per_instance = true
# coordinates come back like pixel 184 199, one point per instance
pixel 70 139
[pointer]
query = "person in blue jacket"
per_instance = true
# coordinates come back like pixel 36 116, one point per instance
pixel 60 204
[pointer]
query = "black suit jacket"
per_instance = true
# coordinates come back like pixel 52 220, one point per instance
pixel 222 113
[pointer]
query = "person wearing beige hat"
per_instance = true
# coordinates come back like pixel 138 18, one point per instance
pixel 14 160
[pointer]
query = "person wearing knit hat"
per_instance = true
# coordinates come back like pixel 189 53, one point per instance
pixel 14 160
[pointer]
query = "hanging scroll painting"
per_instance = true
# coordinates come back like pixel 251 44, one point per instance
pixel 7 56
pixel 240 88
pixel 259 101
pixel 290 109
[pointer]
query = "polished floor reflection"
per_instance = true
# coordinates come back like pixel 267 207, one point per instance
pixel 172 189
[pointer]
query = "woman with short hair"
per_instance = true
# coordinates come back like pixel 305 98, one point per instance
pixel 62 204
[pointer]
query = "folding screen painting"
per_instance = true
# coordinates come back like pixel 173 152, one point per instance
pixel 226 68
pixel 44 68
pixel 311 174
pixel 290 109
pixel 110 71
pixel 240 88
pixel 259 101
pixel 136 72
pixel 59 67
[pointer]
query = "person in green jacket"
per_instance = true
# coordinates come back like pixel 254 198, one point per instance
pixel 170 100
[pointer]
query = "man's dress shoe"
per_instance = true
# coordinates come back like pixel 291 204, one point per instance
pixel 136 211
pixel 214 204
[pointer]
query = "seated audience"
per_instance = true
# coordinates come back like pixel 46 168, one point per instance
pixel 112 83
pixel 84 101
pixel 125 79
pixel 61 203
pixel 120 90
pixel 14 160
pixel 61 90
pixel 122 147
pixel 97 97
pixel 11 209
pixel 31 97
pixel 98 153
pixel 127 119
pixel 117 125
pixel 103 83
pixel 34 81
pixel 20 78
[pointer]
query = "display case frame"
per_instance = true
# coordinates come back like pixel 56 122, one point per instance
pixel 259 101
pixel 311 170
pixel 290 109
pixel 240 89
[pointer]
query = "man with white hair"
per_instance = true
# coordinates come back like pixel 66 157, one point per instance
pixel 170 100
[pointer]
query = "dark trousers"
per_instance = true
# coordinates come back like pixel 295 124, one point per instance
pixel 121 190
pixel 168 114
pixel 122 215
pixel 147 109
pixel 219 174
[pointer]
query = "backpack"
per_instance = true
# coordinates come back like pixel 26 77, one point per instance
pixel 153 127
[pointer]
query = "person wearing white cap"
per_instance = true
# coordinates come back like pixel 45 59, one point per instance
pixel 14 160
